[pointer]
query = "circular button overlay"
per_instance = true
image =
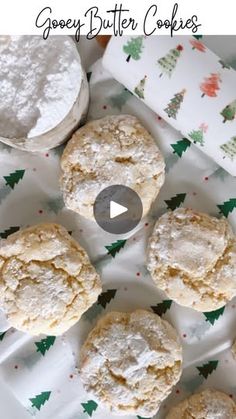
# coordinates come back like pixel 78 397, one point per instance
pixel 118 209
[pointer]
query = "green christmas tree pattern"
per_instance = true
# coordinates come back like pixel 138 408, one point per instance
pixel 134 48
pixel 198 135
pixel 212 316
pixel 174 105
pixel 229 149
pixel 139 89
pixel 2 336
pixel 39 400
pixel 13 178
pixel 169 61
pixel 89 74
pixel 45 344
pixel 229 112
pixel 207 369
pixel 4 234
pixel 115 247
pixel 90 407
pixel 161 308
pixel 210 85
pixel 175 201
pixel 106 297
pixel 181 146
pixel 227 207
pixel 120 99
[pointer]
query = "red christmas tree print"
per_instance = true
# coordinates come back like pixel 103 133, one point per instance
pixel 197 45
pixel 211 84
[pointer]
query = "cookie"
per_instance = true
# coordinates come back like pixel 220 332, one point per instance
pixel 192 257
pixel 209 404
pixel 46 280
pixel 109 151
pixel 130 362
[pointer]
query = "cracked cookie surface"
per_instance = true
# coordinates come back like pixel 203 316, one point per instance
pixel 192 257
pixel 109 151
pixel 209 404
pixel 46 280
pixel 130 362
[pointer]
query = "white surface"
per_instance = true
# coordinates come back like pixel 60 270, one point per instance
pixel 197 166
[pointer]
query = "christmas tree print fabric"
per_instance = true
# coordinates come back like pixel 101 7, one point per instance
pixel 42 372
pixel 187 84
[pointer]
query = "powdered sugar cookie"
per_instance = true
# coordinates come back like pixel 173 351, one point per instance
pixel 46 280
pixel 130 362
pixel 192 257
pixel 209 404
pixel 109 151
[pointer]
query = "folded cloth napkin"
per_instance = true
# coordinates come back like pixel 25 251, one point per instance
pixel 186 84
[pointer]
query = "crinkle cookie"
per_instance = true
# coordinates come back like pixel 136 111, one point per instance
pixel 46 280
pixel 192 257
pixel 130 362
pixel 209 404
pixel 109 151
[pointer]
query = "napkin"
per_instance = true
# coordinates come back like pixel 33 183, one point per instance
pixel 186 84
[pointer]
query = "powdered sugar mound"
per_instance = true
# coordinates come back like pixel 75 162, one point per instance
pixel 39 82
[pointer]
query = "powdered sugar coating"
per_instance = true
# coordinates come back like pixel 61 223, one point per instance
pixel 209 404
pixel 39 83
pixel 112 150
pixel 46 280
pixel 130 362
pixel 192 257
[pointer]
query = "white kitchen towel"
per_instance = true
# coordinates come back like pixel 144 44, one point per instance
pixel 186 84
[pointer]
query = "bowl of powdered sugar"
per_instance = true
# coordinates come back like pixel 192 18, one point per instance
pixel 43 91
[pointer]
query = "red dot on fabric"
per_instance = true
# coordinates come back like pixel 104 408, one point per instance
pixel 104 107
pixel 138 273
pixel 71 376
pixel 47 155
pixel 146 224
pixel 206 178
pixel 231 396
pixel 40 211
pixel 16 367
pixel 177 391
pixel 184 335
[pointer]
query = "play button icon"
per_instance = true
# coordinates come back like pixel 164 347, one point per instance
pixel 118 209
